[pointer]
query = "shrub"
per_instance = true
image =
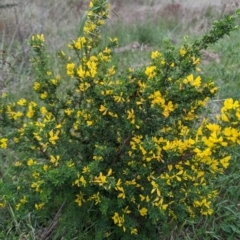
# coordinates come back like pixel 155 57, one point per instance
pixel 117 155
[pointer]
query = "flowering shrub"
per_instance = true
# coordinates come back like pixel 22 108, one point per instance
pixel 117 155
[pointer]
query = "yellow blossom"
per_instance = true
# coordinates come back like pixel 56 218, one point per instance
pixel 43 95
pixel 39 205
pixel 55 159
pixel 126 210
pixel 2 205
pixel 183 51
pixel 134 231
pixel 122 193
pixel 103 109
pixel 45 167
pixel 23 200
pixel 155 55
pixel 151 72
pixel 31 162
pixel 68 111
pixel 167 109
pixel 43 110
pixel 36 186
pixel 143 211
pixel 70 69
pixel 53 137
pixel 17 164
pixel 101 179
pixel 230 104
pixel 22 102
pixel 3 143
pixel 80 181
pixel 118 220
pixel 225 161
pixel 80 199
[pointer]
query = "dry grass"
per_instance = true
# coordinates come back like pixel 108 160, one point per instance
pixel 59 20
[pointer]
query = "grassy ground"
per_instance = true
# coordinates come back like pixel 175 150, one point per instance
pixel 141 26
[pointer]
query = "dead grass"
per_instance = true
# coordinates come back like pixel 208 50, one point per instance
pixel 59 20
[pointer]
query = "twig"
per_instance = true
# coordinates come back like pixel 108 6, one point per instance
pixel 47 233
pixel 126 142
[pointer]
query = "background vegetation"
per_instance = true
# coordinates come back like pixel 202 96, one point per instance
pixel 140 26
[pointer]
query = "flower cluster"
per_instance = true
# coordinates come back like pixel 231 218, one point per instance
pixel 132 146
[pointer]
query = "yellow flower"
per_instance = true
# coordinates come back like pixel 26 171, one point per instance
pixel 80 181
pixel 70 69
pixel 103 109
pixel 134 231
pixel 131 116
pixel 4 95
pixel 197 82
pixel 36 186
pixel 53 137
pixel 17 164
pixel 80 42
pixel 167 109
pixel 150 72
pixel 18 206
pixel 122 193
pixel 90 4
pixel 214 127
pixel 224 117
pixel 80 199
pixel 158 202
pixel 22 102
pixel 43 95
pixel 114 41
pixel 89 123
pixel 155 188
pixel 196 61
pixel 143 211
pixel 107 51
pixel 119 98
pixel 3 143
pixel 157 98
pixel 23 200
pixel 231 134
pixel 55 160
pixel 109 172
pixel 118 220
pixel 35 175
pixel 38 37
pixel 111 71
pixel 229 104
pixel 31 162
pixel 225 161
pixel 2 205
pixel 190 79
pixel 101 179
pixel 43 110
pixel 30 112
pixel 68 111
pixel 155 55
pixel 39 206
pixel 183 51
pixel 45 167
pixel 89 27
pixel 126 210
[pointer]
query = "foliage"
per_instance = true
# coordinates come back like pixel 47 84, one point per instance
pixel 122 154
